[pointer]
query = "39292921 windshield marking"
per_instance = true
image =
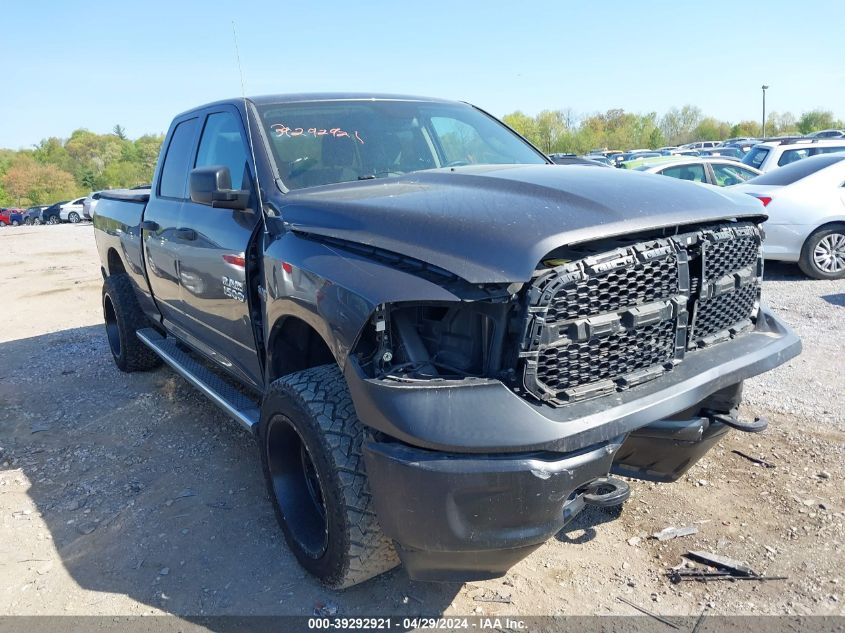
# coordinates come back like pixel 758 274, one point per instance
pixel 283 130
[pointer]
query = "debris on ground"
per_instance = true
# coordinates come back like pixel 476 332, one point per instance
pixel 669 533
pixel 721 562
pixel 676 575
pixel 490 595
pixel 756 460
pixel 647 612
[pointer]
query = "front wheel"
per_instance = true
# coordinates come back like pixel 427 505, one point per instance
pixel 823 254
pixel 73 217
pixel 54 219
pixel 310 441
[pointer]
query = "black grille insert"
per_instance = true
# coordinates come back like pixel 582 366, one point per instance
pixel 576 364
pixel 719 314
pixel 620 288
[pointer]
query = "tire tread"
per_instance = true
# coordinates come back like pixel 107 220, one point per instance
pixel 322 392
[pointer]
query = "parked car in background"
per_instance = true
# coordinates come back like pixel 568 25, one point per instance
pixel 742 144
pixel 33 215
pixel 89 204
pixel 733 153
pixel 827 134
pixel 622 158
pixel 572 159
pixel 721 172
pixel 639 161
pixel 771 154
pixel 72 211
pixel 11 217
pixel 805 202
pixel 700 145
pixel 599 158
pixel 680 152
pixel 50 215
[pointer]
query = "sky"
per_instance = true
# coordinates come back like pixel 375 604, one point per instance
pixel 98 63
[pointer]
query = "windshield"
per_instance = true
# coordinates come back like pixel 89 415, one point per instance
pixel 320 143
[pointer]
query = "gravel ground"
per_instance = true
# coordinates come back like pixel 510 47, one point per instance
pixel 130 494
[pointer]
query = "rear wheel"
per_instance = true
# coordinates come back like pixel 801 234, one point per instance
pixel 310 441
pixel 823 254
pixel 123 317
pixel 27 221
pixel 73 217
pixel 16 223
pixel 54 219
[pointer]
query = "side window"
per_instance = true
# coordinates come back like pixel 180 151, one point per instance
pixel 174 171
pixel 791 155
pixel 694 173
pixel 828 150
pixel 727 175
pixel 222 144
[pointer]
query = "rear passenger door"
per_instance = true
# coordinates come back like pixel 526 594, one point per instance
pixel 212 244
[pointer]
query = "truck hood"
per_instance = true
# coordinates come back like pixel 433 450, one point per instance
pixel 493 224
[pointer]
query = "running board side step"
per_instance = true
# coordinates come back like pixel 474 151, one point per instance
pixel 227 397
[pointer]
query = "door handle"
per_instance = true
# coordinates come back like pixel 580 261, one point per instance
pixel 186 234
pixel 149 225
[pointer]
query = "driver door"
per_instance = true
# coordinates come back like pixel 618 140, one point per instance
pixel 212 246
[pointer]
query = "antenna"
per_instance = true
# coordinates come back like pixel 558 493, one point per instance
pixel 248 126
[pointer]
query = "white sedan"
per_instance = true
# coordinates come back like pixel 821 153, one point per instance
pixel 711 170
pixel 72 211
pixel 805 202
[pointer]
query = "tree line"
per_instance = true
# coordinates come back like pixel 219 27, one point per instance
pixel 562 131
pixel 60 169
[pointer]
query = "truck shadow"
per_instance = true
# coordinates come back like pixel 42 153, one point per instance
pixel 582 529
pixel 148 495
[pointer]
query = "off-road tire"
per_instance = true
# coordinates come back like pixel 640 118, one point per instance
pixel 806 262
pixel 74 218
pixel 316 404
pixel 123 317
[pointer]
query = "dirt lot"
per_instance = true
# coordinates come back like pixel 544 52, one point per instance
pixel 129 494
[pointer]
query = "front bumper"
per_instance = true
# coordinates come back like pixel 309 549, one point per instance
pixel 459 517
pixel 485 416
pixel 473 478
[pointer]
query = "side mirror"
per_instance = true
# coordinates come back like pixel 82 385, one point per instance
pixel 212 185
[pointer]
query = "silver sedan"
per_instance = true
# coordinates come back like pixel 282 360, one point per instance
pixel 805 202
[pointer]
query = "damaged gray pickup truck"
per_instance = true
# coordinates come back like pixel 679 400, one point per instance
pixel 444 344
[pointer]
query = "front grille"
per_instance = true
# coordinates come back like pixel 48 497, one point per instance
pixel 611 321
